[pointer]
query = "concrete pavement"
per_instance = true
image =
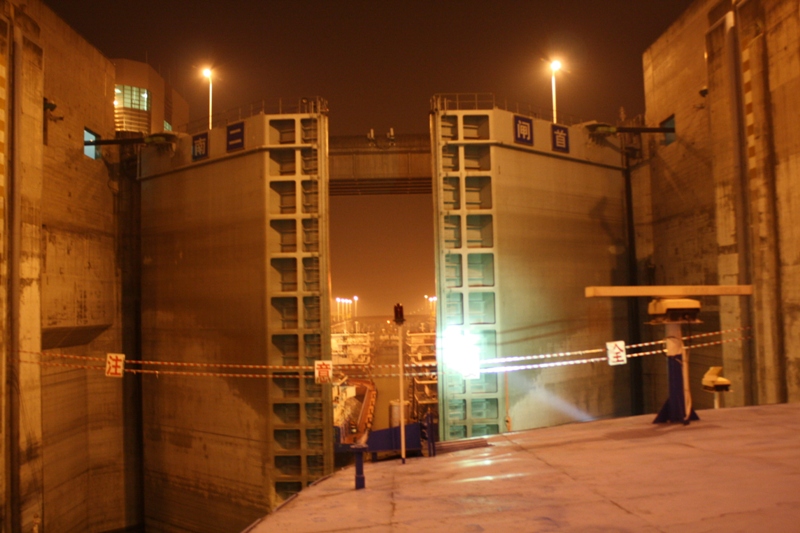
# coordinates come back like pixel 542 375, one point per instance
pixel 734 470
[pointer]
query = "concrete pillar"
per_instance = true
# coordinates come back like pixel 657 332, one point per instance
pixel 723 105
pixel 776 46
pixel 24 244
pixel 765 253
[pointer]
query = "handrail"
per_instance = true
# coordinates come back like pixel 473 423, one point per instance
pixel 312 104
pixel 475 101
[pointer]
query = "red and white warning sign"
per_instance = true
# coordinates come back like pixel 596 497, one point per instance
pixel 115 365
pixel 616 353
pixel 323 371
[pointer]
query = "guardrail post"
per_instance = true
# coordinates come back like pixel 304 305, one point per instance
pixel 358 451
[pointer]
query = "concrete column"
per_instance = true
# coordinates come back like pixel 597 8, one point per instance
pixel 25 166
pixel 763 198
pixel 723 105
pixel 5 465
pixel 778 49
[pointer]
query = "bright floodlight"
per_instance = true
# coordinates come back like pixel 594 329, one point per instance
pixel 555 65
pixel 207 72
pixel 462 352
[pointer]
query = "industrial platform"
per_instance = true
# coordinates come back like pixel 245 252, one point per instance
pixel 734 470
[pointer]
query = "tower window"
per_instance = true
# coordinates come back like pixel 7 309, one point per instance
pixel 131 97
pixel 89 150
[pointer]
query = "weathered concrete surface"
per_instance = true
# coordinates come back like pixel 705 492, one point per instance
pixel 679 195
pixel 734 470
pixel 723 195
pixel 69 465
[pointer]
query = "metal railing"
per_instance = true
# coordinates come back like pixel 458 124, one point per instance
pixel 475 101
pixel 281 106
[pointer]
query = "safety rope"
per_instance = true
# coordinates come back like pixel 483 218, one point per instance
pixel 305 371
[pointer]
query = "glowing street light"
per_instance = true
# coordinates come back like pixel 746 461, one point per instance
pixel 555 66
pixel 355 307
pixel 207 74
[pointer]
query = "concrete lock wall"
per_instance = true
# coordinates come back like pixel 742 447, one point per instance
pixel 560 228
pixel 681 195
pixel 719 198
pixel 234 248
pixel 523 225
pixel 71 468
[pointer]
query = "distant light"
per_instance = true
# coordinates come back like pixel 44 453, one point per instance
pixel 116 103
pixel 207 73
pixel 555 65
pixel 355 298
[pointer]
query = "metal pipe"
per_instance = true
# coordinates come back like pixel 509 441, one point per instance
pixel 634 319
pixel 402 396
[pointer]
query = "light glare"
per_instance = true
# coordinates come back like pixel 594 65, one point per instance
pixel 461 352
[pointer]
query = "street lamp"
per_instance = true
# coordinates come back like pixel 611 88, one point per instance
pixel 207 74
pixel 555 66
pixel 355 307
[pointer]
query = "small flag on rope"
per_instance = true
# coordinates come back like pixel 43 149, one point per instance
pixel 616 353
pixel 323 371
pixel 115 365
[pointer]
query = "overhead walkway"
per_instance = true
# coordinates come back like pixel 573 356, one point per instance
pixel 734 470
pixel 380 164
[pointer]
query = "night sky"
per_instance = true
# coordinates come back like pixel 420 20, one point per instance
pixel 378 63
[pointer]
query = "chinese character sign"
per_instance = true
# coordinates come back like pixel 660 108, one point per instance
pixel 200 146
pixel 523 130
pixel 235 137
pixel 115 365
pixel 616 353
pixel 323 371
pixel 560 138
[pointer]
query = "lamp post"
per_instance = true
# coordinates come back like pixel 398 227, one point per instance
pixel 207 74
pixel 555 66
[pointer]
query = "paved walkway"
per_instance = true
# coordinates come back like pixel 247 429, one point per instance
pixel 734 470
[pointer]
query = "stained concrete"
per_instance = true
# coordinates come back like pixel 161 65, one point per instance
pixel 734 470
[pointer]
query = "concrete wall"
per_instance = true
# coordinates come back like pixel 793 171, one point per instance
pixel 217 288
pixel 73 470
pixel 560 228
pixel 555 223
pixel 680 196
pixel 22 400
pixel 203 252
pixel 720 199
